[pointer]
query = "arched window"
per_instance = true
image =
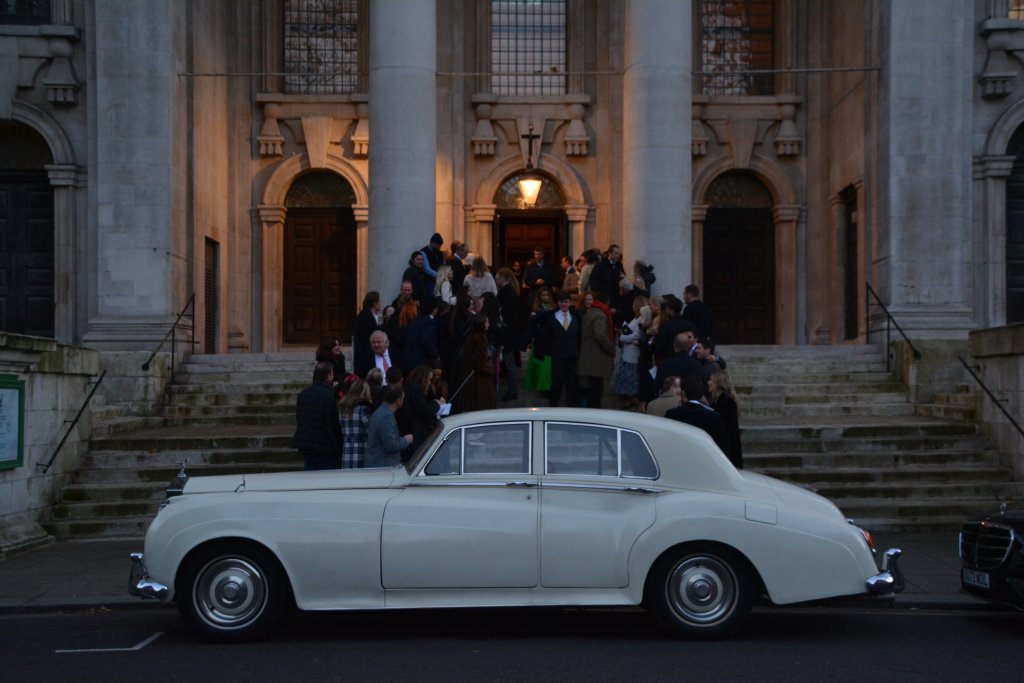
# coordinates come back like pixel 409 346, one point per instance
pixel 319 189
pixel 509 196
pixel 738 190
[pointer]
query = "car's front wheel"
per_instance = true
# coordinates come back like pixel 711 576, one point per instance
pixel 232 591
pixel 700 591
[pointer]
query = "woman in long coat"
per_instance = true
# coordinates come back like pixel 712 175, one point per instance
pixel 724 402
pixel 476 369
pixel 597 351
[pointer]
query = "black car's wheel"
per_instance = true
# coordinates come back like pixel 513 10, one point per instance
pixel 232 591
pixel 700 591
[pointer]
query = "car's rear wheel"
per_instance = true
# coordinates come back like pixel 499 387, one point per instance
pixel 700 591
pixel 233 591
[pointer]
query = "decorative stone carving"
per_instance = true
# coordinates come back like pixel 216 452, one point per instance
pixel 576 139
pixel 361 135
pixel 698 136
pixel 484 140
pixel 60 82
pixel 270 140
pixel 317 131
pixel 996 79
pixel 787 140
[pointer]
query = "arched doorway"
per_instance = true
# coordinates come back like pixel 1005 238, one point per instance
pixel 1015 230
pixel 319 259
pixel 739 260
pixel 520 229
pixel 26 232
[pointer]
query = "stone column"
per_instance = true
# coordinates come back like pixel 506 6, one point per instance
pixel 656 139
pixel 924 182
pixel 698 214
pixel 481 231
pixel 786 218
pixel 403 125
pixel 833 277
pixel 137 112
pixel 362 215
pixel 991 173
pixel 272 250
pixel 577 216
pixel 64 179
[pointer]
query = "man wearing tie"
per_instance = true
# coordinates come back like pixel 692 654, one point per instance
pixel 565 330
pixel 381 355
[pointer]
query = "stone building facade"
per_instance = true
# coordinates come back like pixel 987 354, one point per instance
pixel 276 159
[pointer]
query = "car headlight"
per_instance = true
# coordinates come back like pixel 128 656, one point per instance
pixel 866 534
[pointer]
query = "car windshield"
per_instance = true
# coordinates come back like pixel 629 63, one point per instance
pixel 411 463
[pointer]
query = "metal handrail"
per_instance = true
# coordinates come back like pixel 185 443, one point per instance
pixel 998 402
pixel 73 423
pixel 170 334
pixel 889 320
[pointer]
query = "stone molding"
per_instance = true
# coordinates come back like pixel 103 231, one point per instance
pixel 514 114
pixel 745 124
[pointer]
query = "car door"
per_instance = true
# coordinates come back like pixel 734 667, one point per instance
pixel 469 519
pixel 597 497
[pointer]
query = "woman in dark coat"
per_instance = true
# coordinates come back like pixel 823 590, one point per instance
pixel 329 351
pixel 723 401
pixel 366 324
pixel 422 409
pixel 476 369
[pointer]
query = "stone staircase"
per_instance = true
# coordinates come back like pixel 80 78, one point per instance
pixel 831 419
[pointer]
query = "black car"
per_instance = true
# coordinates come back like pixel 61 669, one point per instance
pixel 992 555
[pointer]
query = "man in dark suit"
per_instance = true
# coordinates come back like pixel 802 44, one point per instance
pixel 565 329
pixel 681 364
pixel 693 412
pixel 421 338
pixel 697 313
pixel 317 428
pixel 539 274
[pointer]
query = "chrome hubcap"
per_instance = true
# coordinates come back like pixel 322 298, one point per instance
pixel 702 589
pixel 230 592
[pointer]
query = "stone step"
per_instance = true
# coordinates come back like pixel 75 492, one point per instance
pixel 839 493
pixel 284 386
pixel 127 527
pixel 929 473
pixel 766 390
pixel 877 513
pixel 770 376
pixel 825 410
pixel 116 492
pixel 174 458
pixel 235 398
pixel 227 411
pixel 858 429
pixel 816 462
pixel 104 510
pixel 797 398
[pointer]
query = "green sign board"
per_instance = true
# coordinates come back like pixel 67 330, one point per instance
pixel 12 422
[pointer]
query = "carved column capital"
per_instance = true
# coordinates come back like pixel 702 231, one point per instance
pixel 272 216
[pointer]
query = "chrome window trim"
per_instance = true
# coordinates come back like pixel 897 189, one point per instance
pixel 462 450
pixel 618 441
pixel 622 488
pixel 469 484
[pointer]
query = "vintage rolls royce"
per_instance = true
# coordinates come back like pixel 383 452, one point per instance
pixel 512 507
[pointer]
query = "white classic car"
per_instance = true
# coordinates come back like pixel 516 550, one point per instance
pixel 532 506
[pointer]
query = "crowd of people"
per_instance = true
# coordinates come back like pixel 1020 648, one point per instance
pixel 456 332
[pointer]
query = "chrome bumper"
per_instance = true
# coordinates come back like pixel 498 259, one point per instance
pixel 140 584
pixel 890 579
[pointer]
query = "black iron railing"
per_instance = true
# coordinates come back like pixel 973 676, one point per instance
pixel 890 322
pixel 74 422
pixel 171 334
pixel 988 392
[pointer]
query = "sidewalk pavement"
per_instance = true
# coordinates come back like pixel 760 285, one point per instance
pixel 76 575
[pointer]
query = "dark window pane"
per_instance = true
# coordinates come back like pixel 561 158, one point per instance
pixel 528 47
pixel 321 46
pixel 737 39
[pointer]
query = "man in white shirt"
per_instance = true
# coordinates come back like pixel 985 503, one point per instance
pixel 381 355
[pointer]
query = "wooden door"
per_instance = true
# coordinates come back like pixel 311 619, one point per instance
pixel 518 236
pixel 26 253
pixel 319 275
pixel 739 275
